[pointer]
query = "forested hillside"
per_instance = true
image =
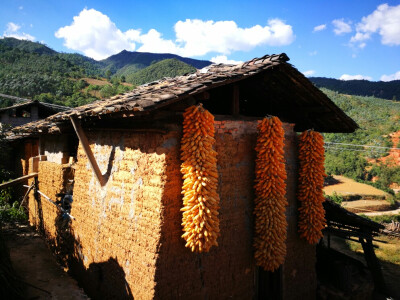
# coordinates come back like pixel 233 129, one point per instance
pixel 31 75
pixel 165 68
pixel 26 46
pixel 32 70
pixel 377 118
pixel 387 90
pixel 141 60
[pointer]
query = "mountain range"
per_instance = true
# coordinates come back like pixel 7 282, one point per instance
pixel 33 70
pixel 118 63
pixel 380 89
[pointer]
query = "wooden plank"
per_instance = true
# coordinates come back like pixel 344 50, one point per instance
pixel 86 147
pixel 27 193
pixel 17 180
pixel 373 264
pixel 235 103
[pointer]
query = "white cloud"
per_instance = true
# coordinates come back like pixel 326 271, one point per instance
pixel 12 27
pixel 309 73
pixel 223 59
pixel 153 42
pixel 12 30
pixel 197 37
pixel 313 53
pixel 395 76
pixel 362 45
pixel 20 7
pixel 97 36
pixel 354 77
pixel 359 37
pixel 319 27
pixel 341 27
pixel 385 21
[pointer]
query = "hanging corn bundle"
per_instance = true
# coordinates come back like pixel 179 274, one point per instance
pixel 311 181
pixel 270 190
pixel 199 169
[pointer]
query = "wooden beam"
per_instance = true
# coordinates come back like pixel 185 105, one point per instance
pixel 27 193
pixel 373 264
pixel 202 96
pixel 17 180
pixel 235 103
pixel 86 147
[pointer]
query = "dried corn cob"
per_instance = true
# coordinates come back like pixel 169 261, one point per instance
pixel 311 181
pixel 199 169
pixel 270 190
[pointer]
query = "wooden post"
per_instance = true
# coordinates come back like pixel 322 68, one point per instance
pixel 373 264
pixel 86 147
pixel 329 235
pixel 235 103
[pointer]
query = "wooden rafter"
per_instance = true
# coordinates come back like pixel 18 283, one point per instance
pixel 86 147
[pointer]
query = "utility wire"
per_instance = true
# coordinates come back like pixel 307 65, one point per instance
pixel 367 146
pixel 358 150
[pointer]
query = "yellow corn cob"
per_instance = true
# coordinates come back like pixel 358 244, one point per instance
pixel 270 190
pixel 311 182
pixel 200 180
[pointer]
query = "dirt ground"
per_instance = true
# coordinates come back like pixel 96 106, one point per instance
pixel 347 186
pixel 367 206
pixel 394 154
pixel 35 265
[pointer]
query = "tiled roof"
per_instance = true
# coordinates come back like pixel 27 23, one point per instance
pixel 158 94
pixel 54 107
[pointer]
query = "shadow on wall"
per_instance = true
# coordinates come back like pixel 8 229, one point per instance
pixel 151 220
pixel 227 271
pixel 104 280
pixel 97 278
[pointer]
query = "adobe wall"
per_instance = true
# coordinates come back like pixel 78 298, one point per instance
pixel 55 148
pixel 134 220
pixel 52 178
pixel 117 226
pixel 126 236
pixel 227 271
pixel 299 279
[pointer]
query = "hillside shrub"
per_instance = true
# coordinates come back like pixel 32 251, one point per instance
pixel 338 199
pixel 10 212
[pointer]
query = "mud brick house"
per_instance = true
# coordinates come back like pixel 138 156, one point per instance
pixel 28 111
pixel 125 240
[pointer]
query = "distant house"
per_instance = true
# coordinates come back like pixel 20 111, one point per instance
pixel 28 111
pixel 125 239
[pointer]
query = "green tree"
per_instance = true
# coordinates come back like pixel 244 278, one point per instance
pixel 108 74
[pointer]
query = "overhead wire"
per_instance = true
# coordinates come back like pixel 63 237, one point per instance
pixel 364 146
pixel 358 150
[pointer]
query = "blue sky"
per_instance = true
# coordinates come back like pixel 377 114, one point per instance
pixel 337 39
